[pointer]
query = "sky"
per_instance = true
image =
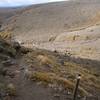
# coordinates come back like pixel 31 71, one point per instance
pixel 8 3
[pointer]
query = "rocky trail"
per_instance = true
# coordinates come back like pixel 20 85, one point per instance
pixel 27 89
pixel 20 87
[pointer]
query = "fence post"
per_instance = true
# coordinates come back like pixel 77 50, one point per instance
pixel 76 87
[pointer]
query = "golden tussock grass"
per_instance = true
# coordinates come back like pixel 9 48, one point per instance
pixel 53 78
pixel 5 35
pixel 88 76
pixel 44 59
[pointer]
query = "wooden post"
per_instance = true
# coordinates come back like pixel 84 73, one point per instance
pixel 76 87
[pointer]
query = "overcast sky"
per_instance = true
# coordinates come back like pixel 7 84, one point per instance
pixel 23 2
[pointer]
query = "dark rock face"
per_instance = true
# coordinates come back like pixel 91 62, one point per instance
pixel 0 26
pixel 16 46
pixel 7 49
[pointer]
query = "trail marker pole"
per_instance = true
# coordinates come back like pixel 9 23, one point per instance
pixel 76 87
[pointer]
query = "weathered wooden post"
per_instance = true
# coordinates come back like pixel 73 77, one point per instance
pixel 76 87
pixel 0 25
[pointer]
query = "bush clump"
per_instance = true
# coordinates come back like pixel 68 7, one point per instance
pixel 11 90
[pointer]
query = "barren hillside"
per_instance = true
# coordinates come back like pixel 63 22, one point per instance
pixel 7 12
pixel 55 25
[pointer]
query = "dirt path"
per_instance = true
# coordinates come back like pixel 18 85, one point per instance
pixel 29 90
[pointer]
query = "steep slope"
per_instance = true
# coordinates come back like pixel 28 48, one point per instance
pixel 40 74
pixel 55 26
pixel 40 22
pixel 7 13
pixel 80 43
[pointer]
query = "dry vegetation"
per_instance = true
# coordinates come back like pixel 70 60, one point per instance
pixel 51 78
pixel 5 35
pixel 48 68
pixel 21 67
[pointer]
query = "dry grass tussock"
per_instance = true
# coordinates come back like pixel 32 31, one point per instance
pixel 53 78
pixel 5 34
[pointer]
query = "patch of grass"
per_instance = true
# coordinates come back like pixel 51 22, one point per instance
pixel 5 35
pixel 53 78
pixel 44 59
pixel 11 90
pixel 41 58
pixel 88 77
pixel 53 68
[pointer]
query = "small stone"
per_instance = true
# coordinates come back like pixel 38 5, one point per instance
pixel 27 73
pixel 39 83
pixel 55 51
pixel 69 93
pixel 51 85
pixel 11 74
pixel 8 62
pixel 84 98
pixel 22 68
pixel 17 72
pixel 55 88
pixel 56 95
pixel 78 96
pixel 60 88
pixel 4 57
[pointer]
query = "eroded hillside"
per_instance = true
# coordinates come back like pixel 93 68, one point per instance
pixel 71 26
